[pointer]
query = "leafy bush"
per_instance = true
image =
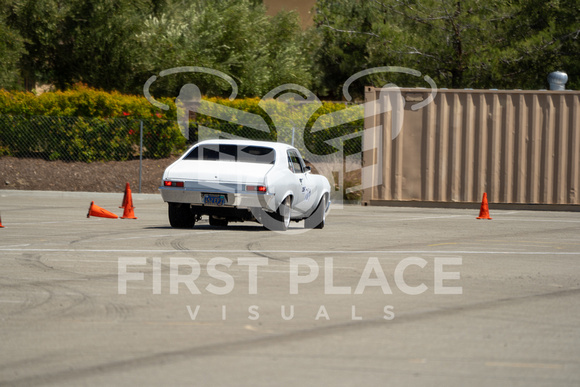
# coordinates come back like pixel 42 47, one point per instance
pixel 80 101
pixel 319 121
pixel 86 139
pixel 84 124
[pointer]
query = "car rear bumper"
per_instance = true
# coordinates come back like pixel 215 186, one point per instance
pixel 195 197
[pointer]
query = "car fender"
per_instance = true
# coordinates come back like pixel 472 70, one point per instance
pixel 322 189
pixel 279 185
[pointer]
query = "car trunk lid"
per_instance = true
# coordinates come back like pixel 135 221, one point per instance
pixel 219 172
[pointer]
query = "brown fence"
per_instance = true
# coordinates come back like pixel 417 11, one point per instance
pixel 518 146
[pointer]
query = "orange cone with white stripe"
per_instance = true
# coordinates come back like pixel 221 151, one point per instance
pixel 484 210
pixel 1 222
pixel 95 210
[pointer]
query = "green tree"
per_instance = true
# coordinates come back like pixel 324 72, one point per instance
pixel 97 44
pixel 11 51
pixel 345 30
pixel 119 44
pixel 69 41
pixel 38 23
pixel 544 36
pixel 289 59
pixel 459 43
pixel 235 37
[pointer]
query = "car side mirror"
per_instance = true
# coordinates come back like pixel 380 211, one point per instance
pixel 307 169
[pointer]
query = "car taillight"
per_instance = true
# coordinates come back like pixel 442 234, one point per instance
pixel 169 183
pixel 256 188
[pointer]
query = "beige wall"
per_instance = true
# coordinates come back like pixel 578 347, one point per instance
pixel 518 146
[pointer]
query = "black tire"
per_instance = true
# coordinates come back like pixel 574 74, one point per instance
pixel 216 222
pixel 283 214
pixel 318 218
pixel 180 215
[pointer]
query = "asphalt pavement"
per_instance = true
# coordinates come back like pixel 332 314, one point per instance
pixel 380 296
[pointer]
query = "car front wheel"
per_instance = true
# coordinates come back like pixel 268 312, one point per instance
pixel 318 217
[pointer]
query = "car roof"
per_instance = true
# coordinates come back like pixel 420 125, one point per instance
pixel 279 146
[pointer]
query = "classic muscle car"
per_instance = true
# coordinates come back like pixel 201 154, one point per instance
pixel 242 180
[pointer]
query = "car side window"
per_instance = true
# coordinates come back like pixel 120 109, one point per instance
pixel 295 162
pixel 290 164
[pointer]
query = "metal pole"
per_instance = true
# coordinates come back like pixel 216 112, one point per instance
pixel 140 152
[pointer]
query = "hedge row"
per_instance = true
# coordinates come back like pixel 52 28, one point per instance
pixel 84 124
pixel 87 139
pixel 80 101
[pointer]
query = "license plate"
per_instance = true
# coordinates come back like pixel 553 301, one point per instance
pixel 214 200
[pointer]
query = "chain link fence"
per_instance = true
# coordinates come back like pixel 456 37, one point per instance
pixel 87 139
pixel 111 147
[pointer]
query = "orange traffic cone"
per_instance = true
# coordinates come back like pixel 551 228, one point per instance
pixel 484 210
pixel 95 210
pixel 128 204
pixel 125 197
pixel 1 222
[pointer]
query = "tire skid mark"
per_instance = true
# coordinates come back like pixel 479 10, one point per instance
pixel 31 297
pixel 291 337
pixel 118 311
pixel 109 235
pixel 54 357
pixel 254 248
pixel 53 297
pixel 35 261
pixel 179 243
pixel 49 299
pixel 163 242
pixel 173 242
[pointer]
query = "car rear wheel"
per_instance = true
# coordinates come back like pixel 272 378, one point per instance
pixel 280 220
pixel 180 215
pixel 283 213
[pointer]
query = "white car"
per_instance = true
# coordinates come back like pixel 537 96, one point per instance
pixel 239 180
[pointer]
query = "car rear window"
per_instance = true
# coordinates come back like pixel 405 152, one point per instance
pixel 232 152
